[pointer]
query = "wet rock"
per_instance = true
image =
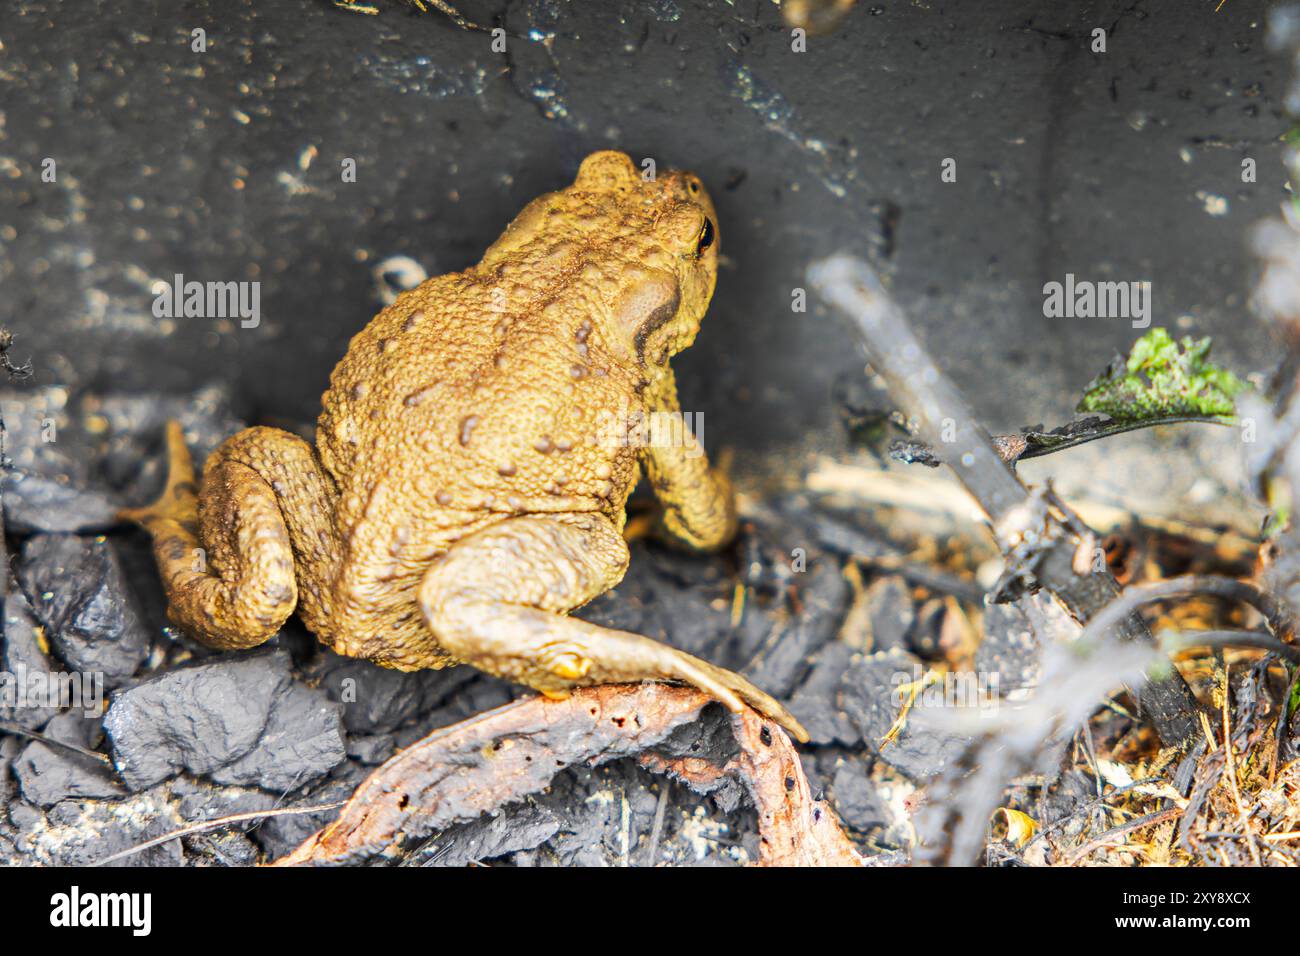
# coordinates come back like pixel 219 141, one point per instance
pixel 25 685
pixel 48 774
pixel 79 593
pixel 816 703
pixel 869 693
pixel 240 721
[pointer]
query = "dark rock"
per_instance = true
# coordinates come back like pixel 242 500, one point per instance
pixel 817 701
pixel 76 463
pixel 26 667
pixel 241 721
pixel 198 799
pixel 85 832
pixel 607 817
pixel 891 613
pixel 708 738
pixel 1009 648
pixel 521 826
pixel 835 531
pixel 78 591
pixel 134 431
pixel 856 800
pixel 8 751
pixel 1015 634
pixel 481 693
pixel 302 740
pixel 280 834
pixel 377 699
pixel 221 848
pixel 924 640
pixel 669 597
pixel 371 750
pixel 869 693
pixel 50 485
pixel 785 657
pixel 48 774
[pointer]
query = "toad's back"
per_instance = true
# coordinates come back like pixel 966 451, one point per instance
pixel 477 396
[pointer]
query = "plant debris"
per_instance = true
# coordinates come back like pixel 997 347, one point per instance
pixel 1163 379
pixel 476 766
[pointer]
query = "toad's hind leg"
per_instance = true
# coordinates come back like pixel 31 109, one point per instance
pixel 499 598
pixel 225 552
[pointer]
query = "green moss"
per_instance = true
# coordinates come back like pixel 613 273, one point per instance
pixel 1162 378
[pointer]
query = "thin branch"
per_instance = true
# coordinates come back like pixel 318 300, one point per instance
pixel 1276 613
pixel 14 730
pixel 1039 536
pixel 1151 819
pixel 214 825
pixel 1174 642
pixel 1036 443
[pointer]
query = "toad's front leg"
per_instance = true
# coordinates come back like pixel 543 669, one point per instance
pixel 499 599
pixel 228 552
pixel 697 506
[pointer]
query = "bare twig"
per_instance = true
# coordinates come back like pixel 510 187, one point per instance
pixel 1276 612
pixel 99 760
pixel 1182 640
pixel 1151 819
pixel 215 824
pixel 1035 444
pixel 657 828
pixel 1038 535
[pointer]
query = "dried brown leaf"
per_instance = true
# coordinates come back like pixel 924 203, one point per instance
pixel 459 772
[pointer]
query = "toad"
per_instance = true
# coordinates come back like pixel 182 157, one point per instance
pixel 473 459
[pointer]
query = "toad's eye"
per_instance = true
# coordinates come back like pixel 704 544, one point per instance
pixel 706 236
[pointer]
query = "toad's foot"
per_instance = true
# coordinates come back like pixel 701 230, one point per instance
pixel 225 552
pixel 499 598
pixel 179 499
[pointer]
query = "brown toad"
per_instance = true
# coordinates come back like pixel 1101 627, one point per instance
pixel 477 447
